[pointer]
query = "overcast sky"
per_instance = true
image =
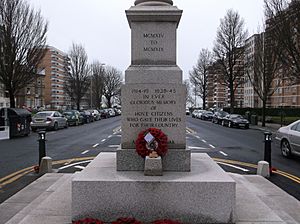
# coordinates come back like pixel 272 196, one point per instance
pixel 101 26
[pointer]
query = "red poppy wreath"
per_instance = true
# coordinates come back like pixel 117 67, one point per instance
pixel 151 141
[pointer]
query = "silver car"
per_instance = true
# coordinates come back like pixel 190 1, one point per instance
pixel 288 139
pixel 48 120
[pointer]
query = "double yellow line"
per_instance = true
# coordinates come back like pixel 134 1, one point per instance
pixel 17 175
pixel 279 172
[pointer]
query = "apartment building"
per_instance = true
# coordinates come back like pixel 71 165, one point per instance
pixel 219 92
pixel 288 93
pixel 216 90
pixel 56 66
pixel 32 96
pixel 253 46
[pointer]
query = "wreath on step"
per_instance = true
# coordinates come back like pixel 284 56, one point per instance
pixel 151 142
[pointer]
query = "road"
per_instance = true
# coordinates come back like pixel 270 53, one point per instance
pixel 236 150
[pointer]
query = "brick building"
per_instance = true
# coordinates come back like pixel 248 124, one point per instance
pixel 288 93
pixel 56 66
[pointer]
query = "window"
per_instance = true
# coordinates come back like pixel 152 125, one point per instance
pixel 295 127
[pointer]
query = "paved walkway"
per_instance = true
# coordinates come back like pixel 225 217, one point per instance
pixel 269 127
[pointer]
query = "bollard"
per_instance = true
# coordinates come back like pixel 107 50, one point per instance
pixel 42 145
pixel 268 150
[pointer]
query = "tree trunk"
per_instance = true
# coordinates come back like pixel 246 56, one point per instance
pixel 108 101
pixel 12 99
pixel 263 113
pixel 231 99
pixel 78 104
pixel 204 103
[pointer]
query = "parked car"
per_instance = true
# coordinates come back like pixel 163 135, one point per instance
pixel 219 116
pixel 207 116
pixel 48 120
pixel 288 138
pixel 96 115
pixel 87 116
pixel 194 113
pixel 74 117
pixel 111 112
pixel 235 120
pixel 187 112
pixel 104 113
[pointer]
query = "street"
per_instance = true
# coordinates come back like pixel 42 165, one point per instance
pixel 235 150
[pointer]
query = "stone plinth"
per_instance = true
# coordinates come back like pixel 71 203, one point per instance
pixel 160 106
pixel 153 166
pixel 204 195
pixel 176 160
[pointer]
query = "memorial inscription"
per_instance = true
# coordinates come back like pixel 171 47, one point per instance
pixel 153 41
pixel 154 106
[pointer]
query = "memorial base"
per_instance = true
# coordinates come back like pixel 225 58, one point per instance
pixel 204 195
pixel 176 160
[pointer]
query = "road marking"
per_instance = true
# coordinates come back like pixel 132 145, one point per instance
pixel 94 146
pixel 197 137
pixel 85 152
pixel 118 135
pixel 212 146
pixel 103 140
pixel 204 141
pixel 74 164
pixel 233 166
pixel 109 136
pixel 223 153
pixel 68 162
pixel 116 130
pixel 199 148
pixel 191 131
pixel 79 167
pixel 113 146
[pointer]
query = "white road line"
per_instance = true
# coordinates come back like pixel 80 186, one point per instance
pixel 233 166
pixel 194 147
pixel 113 146
pixel 74 164
pixel 198 137
pixel 103 140
pixel 85 152
pixel 204 141
pixel 223 153
pixel 94 146
pixel 118 135
pixel 109 136
pixel 212 146
pixel 79 167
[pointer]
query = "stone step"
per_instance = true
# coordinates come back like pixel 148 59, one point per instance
pixel 16 208
pixel 275 199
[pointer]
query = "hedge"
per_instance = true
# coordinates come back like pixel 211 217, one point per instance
pixel 286 112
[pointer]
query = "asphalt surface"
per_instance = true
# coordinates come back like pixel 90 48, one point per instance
pixel 235 150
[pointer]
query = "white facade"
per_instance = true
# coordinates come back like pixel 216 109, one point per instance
pixel 4 102
pixel 251 98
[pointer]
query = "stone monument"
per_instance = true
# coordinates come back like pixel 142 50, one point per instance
pixel 188 188
pixel 153 94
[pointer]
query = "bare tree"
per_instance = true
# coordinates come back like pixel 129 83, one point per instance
pixel 78 79
pixel 199 74
pixel 228 51
pixel 283 24
pixel 22 40
pixel 112 84
pixel 189 98
pixel 263 71
pixel 97 83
